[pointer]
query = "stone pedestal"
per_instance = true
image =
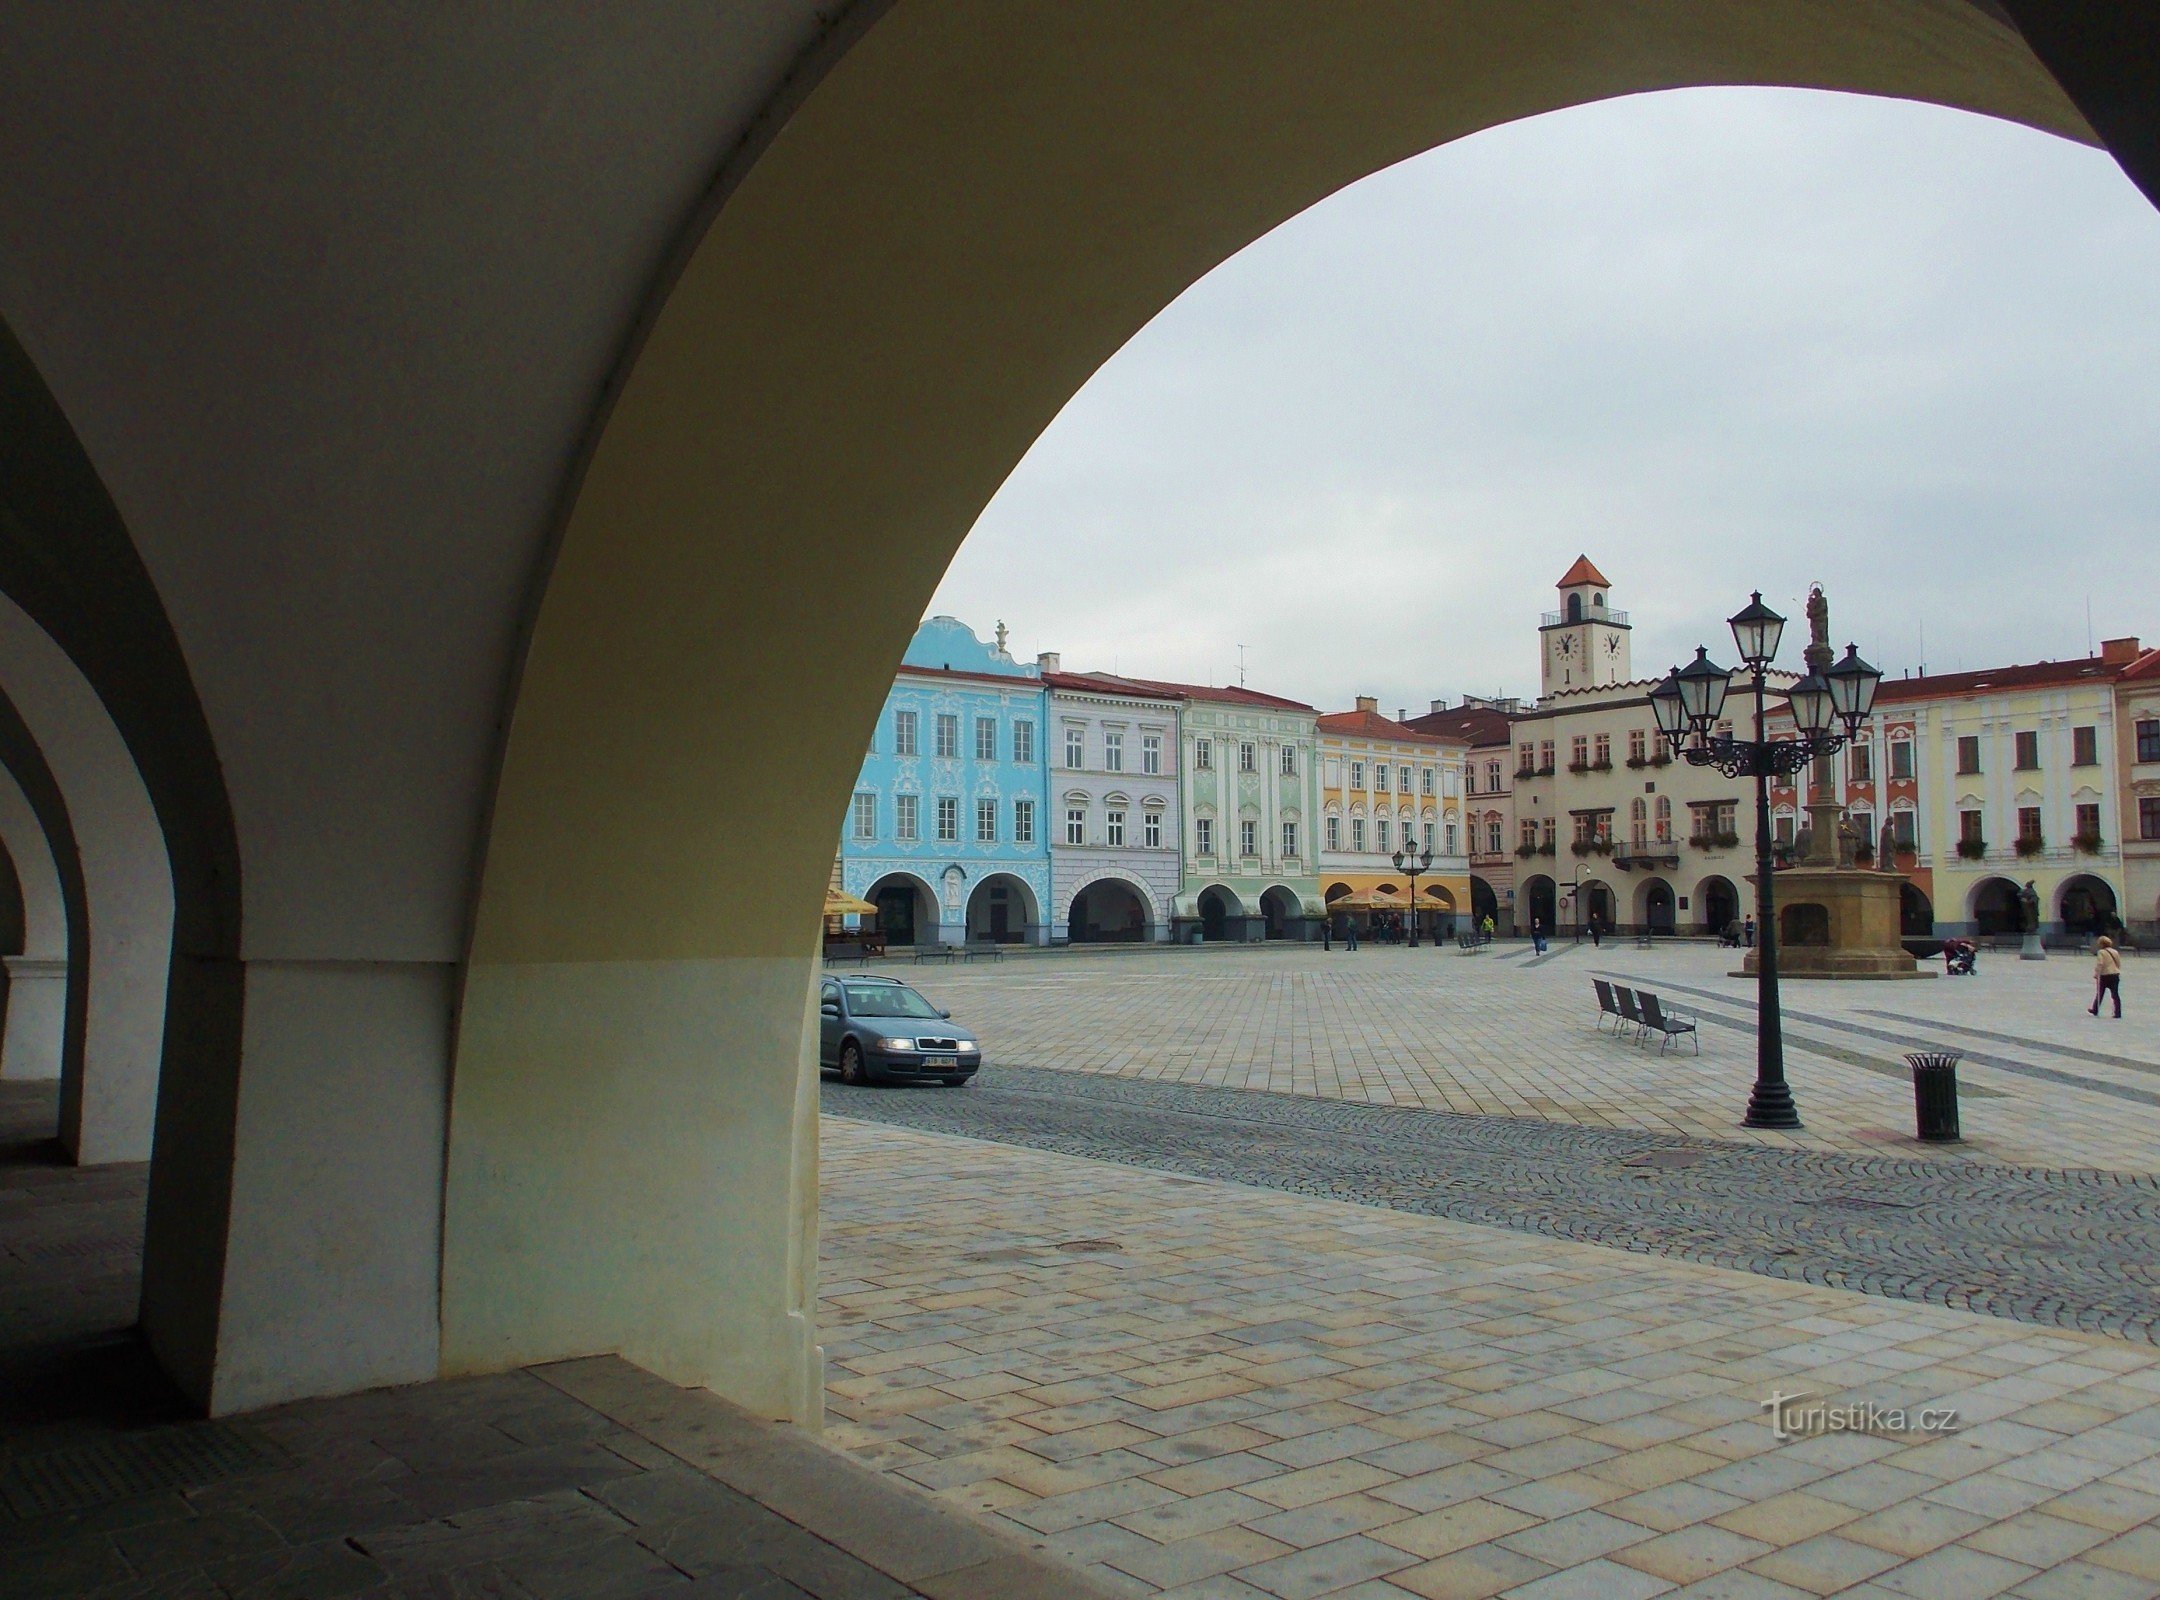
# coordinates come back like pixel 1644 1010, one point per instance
pixel 1839 922
pixel 2031 949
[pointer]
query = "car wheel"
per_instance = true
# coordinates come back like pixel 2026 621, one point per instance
pixel 851 1064
pixel 956 1083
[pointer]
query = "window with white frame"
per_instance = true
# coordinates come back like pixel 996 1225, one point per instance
pixel 986 822
pixel 1114 829
pixel 1113 750
pixel 1492 776
pixel 904 729
pixel 1151 753
pixel 1024 743
pixel 1904 829
pixel 1357 774
pixel 1076 825
pixel 907 822
pixel 865 815
pixel 1289 760
pixel 1402 780
pixel 1638 745
pixel 1495 840
pixel 1450 837
pixel 1203 836
pixel 948 736
pixel 1247 761
pixel 986 738
pixel 1203 755
pixel 1664 819
pixel 1639 820
pixel 1425 782
pixel 1151 830
pixel 948 818
pixel 1860 762
pixel 1901 758
pixel 1864 825
pixel 1023 822
pixel 1471 770
pixel 1289 840
pixel 1333 833
pixel 1075 748
pixel 1380 833
pixel 1357 833
pixel 1249 838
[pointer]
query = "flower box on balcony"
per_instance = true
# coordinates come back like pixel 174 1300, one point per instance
pixel 1578 767
pixel 2030 844
pixel 1637 763
pixel 1546 848
pixel 1972 849
pixel 2088 844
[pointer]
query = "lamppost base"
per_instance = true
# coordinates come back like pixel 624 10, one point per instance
pixel 1771 1106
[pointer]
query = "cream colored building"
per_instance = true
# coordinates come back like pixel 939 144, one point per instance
pixel 2137 756
pixel 1608 826
pixel 1384 787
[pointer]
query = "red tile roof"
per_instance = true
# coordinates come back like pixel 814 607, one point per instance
pixel 1010 680
pixel 1471 725
pixel 1185 691
pixel 1988 680
pixel 2145 667
pixel 1582 572
pixel 1371 725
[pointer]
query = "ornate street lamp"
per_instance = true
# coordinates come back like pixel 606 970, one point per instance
pixel 1411 861
pixel 1827 711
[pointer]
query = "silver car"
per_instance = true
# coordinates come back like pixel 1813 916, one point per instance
pixel 872 1029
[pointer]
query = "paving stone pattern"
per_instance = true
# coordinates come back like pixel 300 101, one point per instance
pixel 1503 1035
pixel 1222 1392
pixel 582 1481
pixel 2069 1249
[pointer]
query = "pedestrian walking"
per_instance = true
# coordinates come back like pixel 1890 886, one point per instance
pixel 1327 933
pixel 1350 934
pixel 1596 940
pixel 2107 975
pixel 1747 931
pixel 1537 936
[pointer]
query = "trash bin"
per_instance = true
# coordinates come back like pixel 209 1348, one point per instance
pixel 1935 1102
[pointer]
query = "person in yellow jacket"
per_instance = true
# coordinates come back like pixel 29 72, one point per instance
pixel 2107 975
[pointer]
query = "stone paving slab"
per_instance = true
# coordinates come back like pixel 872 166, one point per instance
pixel 1221 1392
pixel 2067 1249
pixel 587 1480
pixel 1500 1035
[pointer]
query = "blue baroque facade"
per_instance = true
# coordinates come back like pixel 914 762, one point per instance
pixel 948 827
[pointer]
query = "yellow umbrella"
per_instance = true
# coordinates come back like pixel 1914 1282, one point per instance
pixel 1369 900
pixel 846 905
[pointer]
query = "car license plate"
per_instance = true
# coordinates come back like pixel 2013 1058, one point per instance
pixel 940 1061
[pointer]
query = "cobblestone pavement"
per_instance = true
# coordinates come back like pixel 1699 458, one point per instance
pixel 2069 1249
pixel 2045 1084
pixel 586 1480
pixel 1234 1393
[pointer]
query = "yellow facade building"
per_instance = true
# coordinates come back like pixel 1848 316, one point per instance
pixel 1385 787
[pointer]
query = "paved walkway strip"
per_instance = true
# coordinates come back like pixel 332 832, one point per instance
pixel 2064 1249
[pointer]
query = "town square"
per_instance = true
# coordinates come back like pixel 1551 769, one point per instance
pixel 959 799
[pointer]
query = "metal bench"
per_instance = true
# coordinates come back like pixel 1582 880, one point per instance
pixel 933 952
pixel 1607 1006
pixel 1630 1012
pixel 984 951
pixel 1667 1027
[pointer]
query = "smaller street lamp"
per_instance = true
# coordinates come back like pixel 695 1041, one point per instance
pixel 1412 861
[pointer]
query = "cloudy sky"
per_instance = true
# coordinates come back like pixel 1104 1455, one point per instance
pixel 1715 338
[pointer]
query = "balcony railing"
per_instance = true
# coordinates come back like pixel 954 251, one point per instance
pixel 1559 619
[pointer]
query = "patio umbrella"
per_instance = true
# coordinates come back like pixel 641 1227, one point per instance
pixel 1368 900
pixel 846 905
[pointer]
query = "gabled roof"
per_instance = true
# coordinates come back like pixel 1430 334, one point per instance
pixel 1185 691
pixel 1581 573
pixel 1103 683
pixel 1371 725
pixel 1471 725
pixel 1990 680
pixel 2145 669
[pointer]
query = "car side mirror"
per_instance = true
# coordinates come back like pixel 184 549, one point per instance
pixel 947 1015
pixel 830 1008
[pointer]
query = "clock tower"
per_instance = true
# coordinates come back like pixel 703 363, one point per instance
pixel 1584 644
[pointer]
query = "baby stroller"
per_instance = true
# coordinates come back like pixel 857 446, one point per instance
pixel 1958 957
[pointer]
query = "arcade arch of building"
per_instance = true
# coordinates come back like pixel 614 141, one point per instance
pixel 600 514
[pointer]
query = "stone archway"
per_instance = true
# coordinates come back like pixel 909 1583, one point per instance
pixel 1002 910
pixel 2086 904
pixel 1541 902
pixel 1109 911
pixel 1916 912
pixel 1995 908
pixel 1280 913
pixel 1222 915
pixel 1717 903
pixel 907 910
pixel 1656 907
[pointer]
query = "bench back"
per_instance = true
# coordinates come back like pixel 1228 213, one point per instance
pixel 1626 997
pixel 1605 1001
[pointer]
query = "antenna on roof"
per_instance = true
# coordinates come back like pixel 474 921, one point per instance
pixel 2089 650
pixel 1241 666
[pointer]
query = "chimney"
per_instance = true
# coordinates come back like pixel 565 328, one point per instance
pixel 1369 702
pixel 2124 651
pixel 1050 661
pixel 1402 713
pixel 1439 706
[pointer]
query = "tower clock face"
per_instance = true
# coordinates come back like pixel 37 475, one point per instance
pixel 1612 646
pixel 1567 645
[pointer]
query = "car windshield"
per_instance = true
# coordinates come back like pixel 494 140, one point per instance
pixel 887 1000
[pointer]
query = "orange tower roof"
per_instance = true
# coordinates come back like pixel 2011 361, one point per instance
pixel 1581 573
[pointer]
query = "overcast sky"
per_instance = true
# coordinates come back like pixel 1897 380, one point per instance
pixel 1714 338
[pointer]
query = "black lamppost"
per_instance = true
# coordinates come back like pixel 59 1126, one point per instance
pixel 1409 860
pixel 1687 705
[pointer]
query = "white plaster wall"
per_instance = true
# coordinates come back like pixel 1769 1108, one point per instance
pixel 106 1112
pixel 36 1025
pixel 343 1105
